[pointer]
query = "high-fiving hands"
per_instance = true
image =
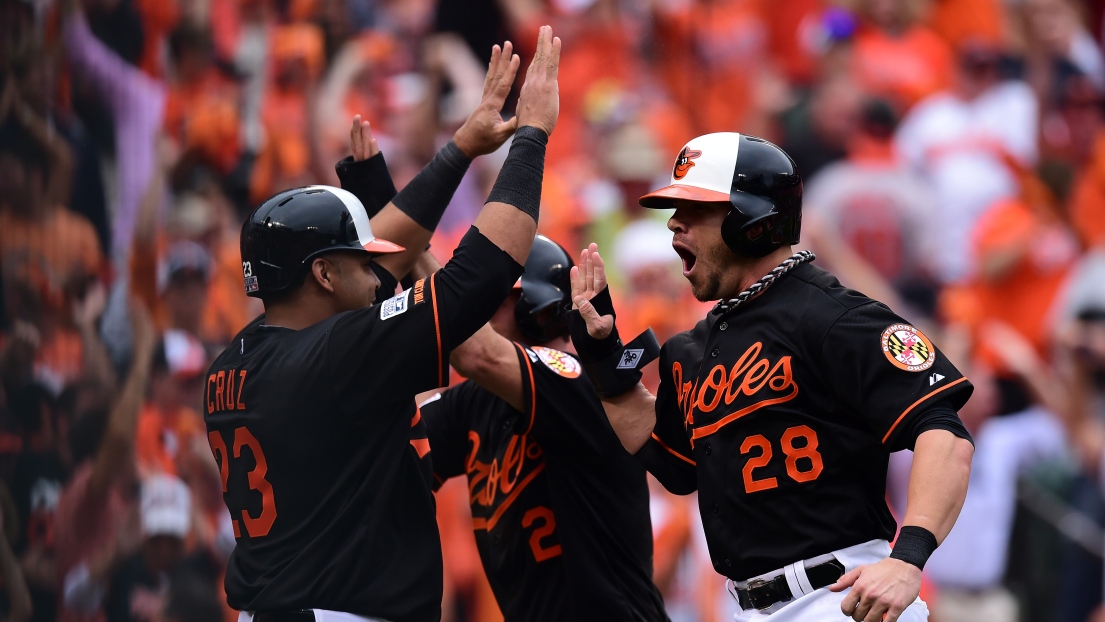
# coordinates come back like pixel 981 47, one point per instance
pixel 485 131
pixel 588 279
pixel 539 100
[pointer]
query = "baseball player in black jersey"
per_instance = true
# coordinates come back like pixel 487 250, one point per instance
pixel 309 411
pixel 782 406
pixel 560 512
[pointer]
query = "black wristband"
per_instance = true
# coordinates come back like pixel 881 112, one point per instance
pixel 613 368
pixel 914 545
pixel 425 198
pixel 369 180
pixel 519 181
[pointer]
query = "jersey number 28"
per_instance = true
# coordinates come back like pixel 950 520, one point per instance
pixel 256 526
pixel 803 463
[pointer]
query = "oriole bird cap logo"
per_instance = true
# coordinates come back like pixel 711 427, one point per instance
pixel 683 163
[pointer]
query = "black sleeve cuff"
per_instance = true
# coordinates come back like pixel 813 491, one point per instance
pixel 369 180
pixel 939 416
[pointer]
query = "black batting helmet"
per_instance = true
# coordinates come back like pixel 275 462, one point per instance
pixel 758 180
pixel 542 310
pixel 289 229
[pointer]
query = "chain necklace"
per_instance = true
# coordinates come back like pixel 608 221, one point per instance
pixel 792 262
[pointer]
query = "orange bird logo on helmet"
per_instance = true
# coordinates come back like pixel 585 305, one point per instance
pixel 683 163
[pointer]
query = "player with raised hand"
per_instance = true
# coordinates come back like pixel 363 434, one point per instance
pixel 309 411
pixel 782 406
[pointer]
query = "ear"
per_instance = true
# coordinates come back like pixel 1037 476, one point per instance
pixel 324 272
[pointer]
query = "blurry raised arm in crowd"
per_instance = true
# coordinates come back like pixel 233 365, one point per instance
pixel 136 102
pixel 92 528
pixel 59 180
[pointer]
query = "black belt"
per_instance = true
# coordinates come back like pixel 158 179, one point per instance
pixel 303 615
pixel 761 594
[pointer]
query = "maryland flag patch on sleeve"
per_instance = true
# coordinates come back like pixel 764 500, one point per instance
pixel 907 348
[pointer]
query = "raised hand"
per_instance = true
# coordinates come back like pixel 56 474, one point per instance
pixel 361 141
pixel 588 279
pixel 485 131
pixel 539 101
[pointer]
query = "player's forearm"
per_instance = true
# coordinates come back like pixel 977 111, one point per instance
pixel 491 361
pixel 411 217
pixel 509 219
pixel 938 481
pixel 633 417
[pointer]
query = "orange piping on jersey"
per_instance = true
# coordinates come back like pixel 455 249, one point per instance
pixel 437 328
pixel 707 430
pixel 675 453
pixel 532 389
pixel 914 405
pixel 417 416
pixel 489 523
pixel 421 446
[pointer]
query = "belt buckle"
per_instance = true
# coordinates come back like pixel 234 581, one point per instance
pixel 759 597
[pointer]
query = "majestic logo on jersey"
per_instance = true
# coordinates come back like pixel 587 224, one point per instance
pixel 562 363
pixel 395 305
pixel 494 486
pixel 750 376
pixel 683 163
pixel 907 348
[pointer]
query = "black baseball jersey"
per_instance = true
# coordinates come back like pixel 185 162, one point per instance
pixel 315 435
pixel 560 510
pixel 782 413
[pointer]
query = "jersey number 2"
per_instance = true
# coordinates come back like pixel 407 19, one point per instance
pixel 548 520
pixel 794 454
pixel 258 526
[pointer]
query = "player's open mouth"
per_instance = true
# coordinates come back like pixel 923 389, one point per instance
pixel 687 256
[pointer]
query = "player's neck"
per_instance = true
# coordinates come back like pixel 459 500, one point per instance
pixel 753 269
pixel 298 313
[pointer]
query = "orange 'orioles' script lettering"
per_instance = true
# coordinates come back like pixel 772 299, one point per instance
pixel 749 376
pixel 224 390
pixel 487 481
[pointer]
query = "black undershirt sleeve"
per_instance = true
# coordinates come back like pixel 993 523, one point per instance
pixel 939 416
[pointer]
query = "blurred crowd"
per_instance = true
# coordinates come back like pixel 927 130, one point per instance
pixel 953 153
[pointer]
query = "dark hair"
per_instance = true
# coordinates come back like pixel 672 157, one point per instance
pixel 19 142
pixel 25 404
pixel 189 36
pixel 878 118
pixel 86 434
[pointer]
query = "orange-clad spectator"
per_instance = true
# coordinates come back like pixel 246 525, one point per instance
pixel 896 58
pixel 792 25
pixel 601 51
pixel 201 112
pixel 1088 201
pixel 95 520
pixel 49 254
pixel 710 54
pixel 167 425
pixel 1024 254
pixel 159 17
pixel 960 21
pixel 191 278
pixel 286 158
